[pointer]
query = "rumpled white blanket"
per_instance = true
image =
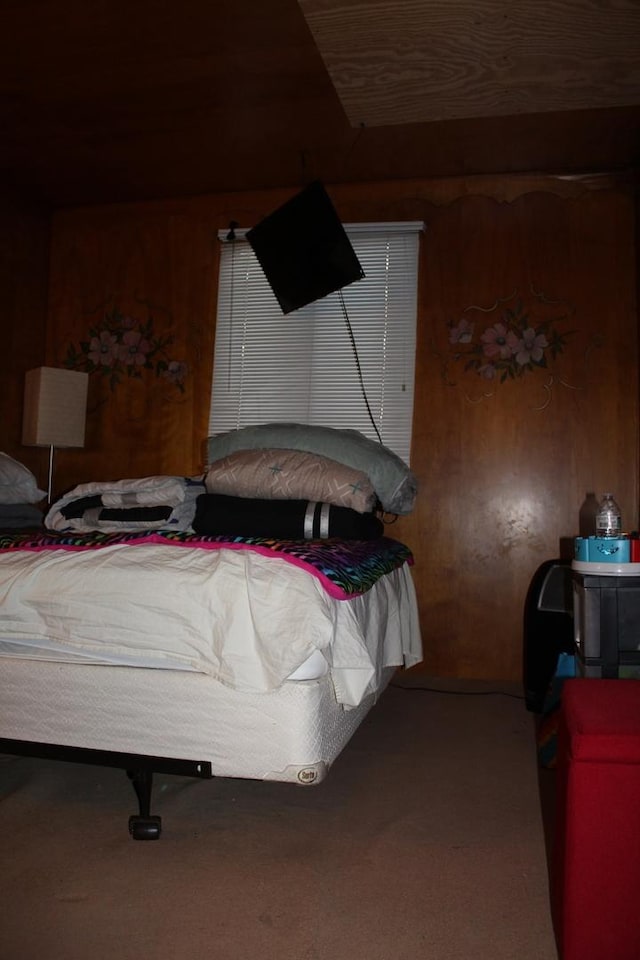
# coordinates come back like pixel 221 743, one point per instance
pixel 245 619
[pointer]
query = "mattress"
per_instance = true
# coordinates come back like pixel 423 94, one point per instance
pixel 239 616
pixel 292 734
pixel 259 664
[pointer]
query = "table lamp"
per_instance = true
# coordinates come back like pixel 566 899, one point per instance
pixel 55 406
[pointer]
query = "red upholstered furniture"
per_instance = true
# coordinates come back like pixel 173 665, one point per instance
pixel 596 860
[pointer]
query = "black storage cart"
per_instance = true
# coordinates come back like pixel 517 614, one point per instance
pixel 606 617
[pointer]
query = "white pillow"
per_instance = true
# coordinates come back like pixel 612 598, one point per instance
pixel 17 483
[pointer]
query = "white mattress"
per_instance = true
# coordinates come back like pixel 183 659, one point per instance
pixel 220 635
pixel 292 734
pixel 246 620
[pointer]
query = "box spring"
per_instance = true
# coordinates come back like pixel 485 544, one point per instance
pixel 292 734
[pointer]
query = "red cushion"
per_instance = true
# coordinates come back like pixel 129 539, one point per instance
pixel 602 719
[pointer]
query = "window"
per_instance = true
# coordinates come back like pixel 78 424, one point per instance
pixel 302 367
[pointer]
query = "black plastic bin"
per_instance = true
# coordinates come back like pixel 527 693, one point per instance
pixel 547 629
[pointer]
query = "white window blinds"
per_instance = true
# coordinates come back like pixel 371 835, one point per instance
pixel 301 367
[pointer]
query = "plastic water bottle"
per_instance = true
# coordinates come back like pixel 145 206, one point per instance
pixel 608 518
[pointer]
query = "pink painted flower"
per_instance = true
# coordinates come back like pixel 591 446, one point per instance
pixel 498 342
pixel 103 350
pixel 487 371
pixel 134 349
pixel 462 332
pixel 176 372
pixel 530 347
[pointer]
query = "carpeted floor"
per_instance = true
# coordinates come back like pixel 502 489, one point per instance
pixel 425 841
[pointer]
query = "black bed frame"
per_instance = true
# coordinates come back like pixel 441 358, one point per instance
pixel 139 767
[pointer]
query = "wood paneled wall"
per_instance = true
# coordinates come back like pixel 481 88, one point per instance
pixel 24 260
pixel 506 466
pixel 503 466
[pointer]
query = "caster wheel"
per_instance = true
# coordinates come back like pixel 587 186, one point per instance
pixel 145 828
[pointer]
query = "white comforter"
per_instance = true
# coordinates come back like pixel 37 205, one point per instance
pixel 248 620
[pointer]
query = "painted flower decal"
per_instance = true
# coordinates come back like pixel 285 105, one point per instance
pixel 497 341
pixel 176 372
pixel 103 349
pixel 530 349
pixel 461 332
pixel 514 344
pixel 120 345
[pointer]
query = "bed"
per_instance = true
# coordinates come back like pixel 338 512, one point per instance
pixel 163 626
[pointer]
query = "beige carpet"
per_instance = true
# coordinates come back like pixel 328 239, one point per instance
pixel 425 841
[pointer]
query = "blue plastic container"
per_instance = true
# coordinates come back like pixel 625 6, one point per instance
pixel 603 549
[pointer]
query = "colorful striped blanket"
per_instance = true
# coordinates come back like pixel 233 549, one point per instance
pixel 346 568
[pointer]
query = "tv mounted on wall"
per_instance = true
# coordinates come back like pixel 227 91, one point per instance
pixel 304 250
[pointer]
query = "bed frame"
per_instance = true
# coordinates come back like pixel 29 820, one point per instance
pixel 139 768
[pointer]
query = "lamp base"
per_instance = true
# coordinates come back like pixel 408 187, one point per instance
pixel 50 475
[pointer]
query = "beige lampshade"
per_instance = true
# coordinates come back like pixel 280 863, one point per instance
pixel 55 405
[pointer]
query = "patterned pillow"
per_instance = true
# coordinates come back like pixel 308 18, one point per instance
pixel 275 474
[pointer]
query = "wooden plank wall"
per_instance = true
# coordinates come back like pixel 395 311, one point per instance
pixel 503 466
pixel 24 259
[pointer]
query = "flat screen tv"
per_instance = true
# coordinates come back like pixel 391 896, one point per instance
pixel 304 250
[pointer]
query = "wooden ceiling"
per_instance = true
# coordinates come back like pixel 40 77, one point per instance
pixel 116 100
